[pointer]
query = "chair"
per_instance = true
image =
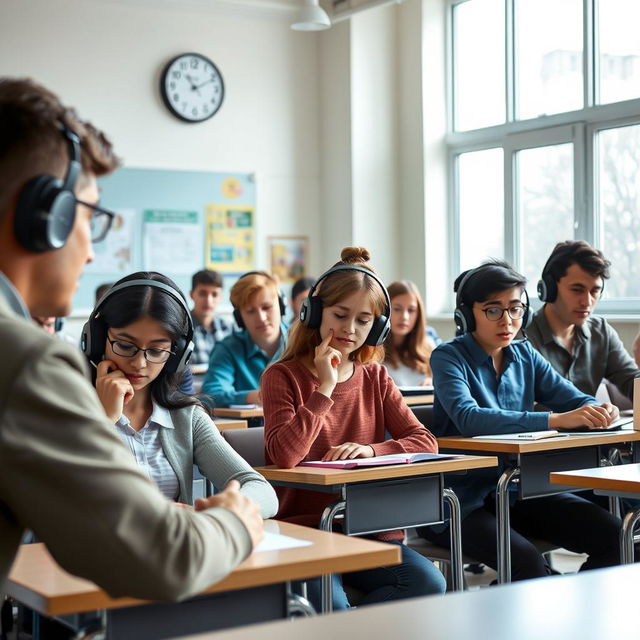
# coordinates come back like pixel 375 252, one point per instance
pixel 249 443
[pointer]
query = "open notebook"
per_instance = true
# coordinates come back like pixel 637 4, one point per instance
pixel 415 390
pixel 394 458
pixel 522 435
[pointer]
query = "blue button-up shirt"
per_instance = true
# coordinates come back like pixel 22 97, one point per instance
pixel 235 367
pixel 471 400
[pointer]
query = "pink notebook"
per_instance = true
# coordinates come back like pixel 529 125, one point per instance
pixel 376 461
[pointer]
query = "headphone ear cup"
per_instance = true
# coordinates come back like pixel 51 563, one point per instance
pixel 547 288
pixel 379 331
pixel 464 320
pixel 93 339
pixel 314 317
pixel 237 316
pixel 178 360
pixel 527 318
pixel 282 303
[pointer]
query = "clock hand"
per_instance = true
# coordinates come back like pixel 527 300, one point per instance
pixel 211 79
pixel 193 84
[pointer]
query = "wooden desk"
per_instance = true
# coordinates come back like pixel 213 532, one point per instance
pixel 621 481
pixel 593 605
pixel 238 414
pixel 229 423
pixel 385 498
pixel 532 462
pixel 261 582
pixel 412 401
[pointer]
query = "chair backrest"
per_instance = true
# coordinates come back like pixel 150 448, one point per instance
pixel 424 413
pixel 249 443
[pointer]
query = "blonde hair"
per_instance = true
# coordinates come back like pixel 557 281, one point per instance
pixel 248 285
pixel 415 350
pixel 336 287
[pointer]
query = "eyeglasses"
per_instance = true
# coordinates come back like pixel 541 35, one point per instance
pixel 128 350
pixel 495 313
pixel 101 221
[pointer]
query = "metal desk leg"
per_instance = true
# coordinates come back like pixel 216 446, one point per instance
pixel 326 524
pixel 455 532
pixel 504 525
pixel 626 536
pixel 298 605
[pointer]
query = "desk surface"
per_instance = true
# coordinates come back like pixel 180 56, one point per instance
pixel 238 413
pixel 38 582
pixel 546 444
pixel 427 398
pixel 328 477
pixel 224 424
pixel 623 478
pixel 594 605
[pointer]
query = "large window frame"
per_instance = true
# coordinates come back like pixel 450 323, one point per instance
pixel 579 127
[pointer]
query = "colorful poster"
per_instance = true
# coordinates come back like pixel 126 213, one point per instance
pixel 230 238
pixel 288 257
pixel 115 253
pixel 171 241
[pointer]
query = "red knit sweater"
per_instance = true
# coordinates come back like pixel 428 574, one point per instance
pixel 301 424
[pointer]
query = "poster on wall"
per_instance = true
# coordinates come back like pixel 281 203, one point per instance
pixel 115 252
pixel 230 238
pixel 288 257
pixel 170 241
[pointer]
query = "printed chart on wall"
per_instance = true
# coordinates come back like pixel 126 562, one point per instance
pixel 175 222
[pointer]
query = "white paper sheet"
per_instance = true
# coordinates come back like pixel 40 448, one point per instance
pixel 276 541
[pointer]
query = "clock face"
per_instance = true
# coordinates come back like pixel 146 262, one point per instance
pixel 192 87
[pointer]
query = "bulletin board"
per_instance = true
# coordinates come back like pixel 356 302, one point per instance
pixel 174 222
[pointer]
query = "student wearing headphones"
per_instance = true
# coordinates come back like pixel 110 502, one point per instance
pixel 580 346
pixel 410 342
pixel 487 383
pixel 238 361
pixel 64 473
pixel 140 338
pixel 329 398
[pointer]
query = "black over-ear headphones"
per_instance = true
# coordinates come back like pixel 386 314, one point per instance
pixel 282 302
pixel 311 310
pixel 46 207
pixel 463 315
pixel 94 332
pixel 547 285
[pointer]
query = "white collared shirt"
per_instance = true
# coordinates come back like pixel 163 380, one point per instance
pixel 146 448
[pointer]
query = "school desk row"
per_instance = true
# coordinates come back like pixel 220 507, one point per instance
pixel 38 582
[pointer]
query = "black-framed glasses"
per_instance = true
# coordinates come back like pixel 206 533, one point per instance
pixel 101 220
pixel 516 312
pixel 128 350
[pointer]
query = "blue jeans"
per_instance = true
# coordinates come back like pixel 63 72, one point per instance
pixel 414 576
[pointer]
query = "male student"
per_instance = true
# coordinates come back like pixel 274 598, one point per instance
pixel 581 346
pixel 64 473
pixel 206 293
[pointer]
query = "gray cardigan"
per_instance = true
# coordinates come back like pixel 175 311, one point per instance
pixel 196 440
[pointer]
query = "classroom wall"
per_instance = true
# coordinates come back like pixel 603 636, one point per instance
pixel 105 57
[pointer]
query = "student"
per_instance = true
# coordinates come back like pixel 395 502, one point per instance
pixel 64 473
pixel 329 398
pixel 206 293
pixel 409 345
pixel 140 338
pixel 299 292
pixel 580 346
pixel 487 383
pixel 238 361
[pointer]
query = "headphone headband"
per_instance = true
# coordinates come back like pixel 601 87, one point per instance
pixel 92 341
pixel 311 310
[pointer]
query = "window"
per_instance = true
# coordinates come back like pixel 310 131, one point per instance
pixel 544 140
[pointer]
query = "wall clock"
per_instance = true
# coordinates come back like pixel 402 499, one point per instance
pixel 192 87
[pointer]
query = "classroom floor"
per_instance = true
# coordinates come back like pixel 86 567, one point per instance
pixel 561 560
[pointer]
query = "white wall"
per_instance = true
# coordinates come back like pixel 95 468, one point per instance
pixel 105 58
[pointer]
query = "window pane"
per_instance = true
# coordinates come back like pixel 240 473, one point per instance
pixel 479 69
pixel 618 204
pixel 481 206
pixel 544 205
pixel 549 56
pixel 619 50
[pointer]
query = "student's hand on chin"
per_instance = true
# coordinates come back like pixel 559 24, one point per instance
pixel 349 451
pixel 113 388
pixel 326 361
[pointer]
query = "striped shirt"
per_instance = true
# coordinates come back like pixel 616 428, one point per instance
pixel 146 448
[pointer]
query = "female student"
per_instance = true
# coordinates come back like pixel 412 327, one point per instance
pixel 487 383
pixel 328 398
pixel 238 361
pixel 139 339
pixel 408 346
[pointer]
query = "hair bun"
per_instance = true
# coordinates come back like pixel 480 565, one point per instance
pixel 355 255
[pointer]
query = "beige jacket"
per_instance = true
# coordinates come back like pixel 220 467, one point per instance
pixel 66 475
